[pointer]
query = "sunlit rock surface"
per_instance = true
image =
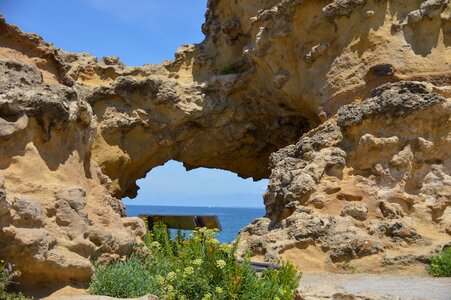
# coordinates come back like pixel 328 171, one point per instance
pixel 344 105
pixel 370 186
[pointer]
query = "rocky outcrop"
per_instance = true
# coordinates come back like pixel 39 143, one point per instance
pixel 315 58
pixel 275 90
pixel 329 53
pixel 358 187
pixel 72 145
pixel 56 214
pixel 192 122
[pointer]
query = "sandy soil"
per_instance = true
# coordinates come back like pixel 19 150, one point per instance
pixel 405 287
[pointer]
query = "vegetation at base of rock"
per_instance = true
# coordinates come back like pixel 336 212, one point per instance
pixel 344 267
pixel 198 267
pixel 12 296
pixel 227 69
pixel 7 275
pixel 122 279
pixel 441 264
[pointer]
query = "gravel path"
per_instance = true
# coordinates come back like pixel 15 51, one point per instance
pixel 405 287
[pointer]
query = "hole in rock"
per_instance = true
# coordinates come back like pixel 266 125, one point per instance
pixel 171 190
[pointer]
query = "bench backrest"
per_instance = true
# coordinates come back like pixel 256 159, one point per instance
pixel 186 222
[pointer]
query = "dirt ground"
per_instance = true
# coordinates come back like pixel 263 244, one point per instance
pixel 405 287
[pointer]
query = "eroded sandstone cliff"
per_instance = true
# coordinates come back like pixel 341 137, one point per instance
pixel 344 105
pixel 366 190
pixel 56 213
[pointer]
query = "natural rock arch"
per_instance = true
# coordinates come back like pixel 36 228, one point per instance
pixel 182 121
pixel 77 133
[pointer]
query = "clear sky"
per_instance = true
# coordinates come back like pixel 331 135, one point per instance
pixel 139 32
pixel 172 185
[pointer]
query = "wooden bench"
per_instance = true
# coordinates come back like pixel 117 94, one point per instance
pixel 260 266
pixel 186 222
pixel 189 222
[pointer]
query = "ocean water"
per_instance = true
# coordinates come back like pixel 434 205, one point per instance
pixel 232 219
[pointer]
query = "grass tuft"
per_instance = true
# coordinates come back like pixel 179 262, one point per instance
pixel 228 69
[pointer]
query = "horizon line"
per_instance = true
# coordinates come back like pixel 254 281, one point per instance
pixel 260 207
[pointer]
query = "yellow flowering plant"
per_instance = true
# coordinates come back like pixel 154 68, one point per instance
pixel 198 267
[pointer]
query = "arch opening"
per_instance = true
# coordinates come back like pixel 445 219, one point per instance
pixel 171 189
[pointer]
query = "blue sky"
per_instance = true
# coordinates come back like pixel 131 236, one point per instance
pixel 172 185
pixel 139 32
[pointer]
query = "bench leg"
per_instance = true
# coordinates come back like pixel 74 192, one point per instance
pixel 198 222
pixel 150 223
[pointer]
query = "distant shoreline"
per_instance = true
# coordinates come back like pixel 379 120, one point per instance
pixel 241 207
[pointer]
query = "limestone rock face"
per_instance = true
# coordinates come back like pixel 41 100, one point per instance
pixel 76 134
pixel 56 213
pixel 192 122
pixel 343 104
pixel 358 187
pixel 327 53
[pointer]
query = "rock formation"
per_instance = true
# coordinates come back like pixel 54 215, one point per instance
pixel 370 185
pixel 359 186
pixel 56 213
pixel 344 105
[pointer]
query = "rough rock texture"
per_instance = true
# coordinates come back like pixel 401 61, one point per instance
pixel 371 184
pixel 179 119
pixel 369 179
pixel 76 134
pixel 56 213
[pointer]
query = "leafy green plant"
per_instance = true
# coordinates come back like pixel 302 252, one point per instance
pixel 227 69
pixel 441 264
pixel 194 268
pixel 4 295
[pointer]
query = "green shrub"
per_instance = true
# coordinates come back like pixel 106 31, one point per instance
pixel 195 268
pixel 441 264
pixel 121 279
pixel 227 69
pixel 12 296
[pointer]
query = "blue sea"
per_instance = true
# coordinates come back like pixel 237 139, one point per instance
pixel 232 219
